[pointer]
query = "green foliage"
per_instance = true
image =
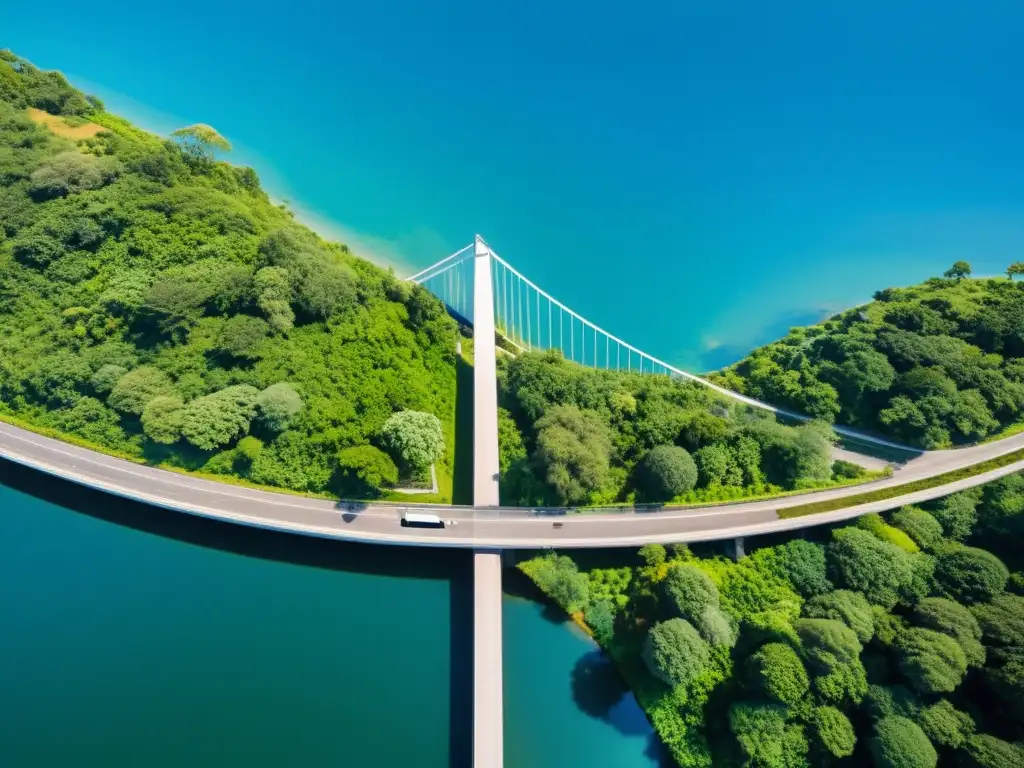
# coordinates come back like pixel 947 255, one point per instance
pixel 802 563
pixel 687 591
pixel 573 451
pixel 652 554
pixel 675 653
pixel 920 526
pixel 931 364
pixel 214 420
pixel 945 725
pixel 848 607
pixel 1001 620
pixel 162 419
pixel 861 562
pixel 833 731
pixel 70 173
pixel 777 672
pixel 414 438
pixel 365 470
pixel 559 578
pixel 600 617
pixel 241 337
pixel 900 743
pixel 970 575
pixel 666 471
pixel 106 377
pixel 511 448
pixel 957 513
pixel 279 404
pixel 958 271
pixel 764 737
pixel 953 619
pixel 985 751
pixel 931 661
pixel 137 387
pixel 876 525
pixel 273 297
pixel 885 701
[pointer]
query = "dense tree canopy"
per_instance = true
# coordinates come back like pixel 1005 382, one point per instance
pixel 675 652
pixel 136 273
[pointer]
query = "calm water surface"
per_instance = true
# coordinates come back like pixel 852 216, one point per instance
pixel 134 636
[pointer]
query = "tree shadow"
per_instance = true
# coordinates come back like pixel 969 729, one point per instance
pixel 517 584
pixel 599 691
pixel 462 471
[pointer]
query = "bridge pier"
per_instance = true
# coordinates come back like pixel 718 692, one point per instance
pixel 488 712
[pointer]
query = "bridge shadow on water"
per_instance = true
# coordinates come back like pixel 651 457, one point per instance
pixel 452 566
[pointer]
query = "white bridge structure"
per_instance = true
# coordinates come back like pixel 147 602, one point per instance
pixel 530 319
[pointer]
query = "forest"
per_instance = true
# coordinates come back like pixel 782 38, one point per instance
pixel 896 642
pixel 934 365
pixel 570 435
pixel 154 303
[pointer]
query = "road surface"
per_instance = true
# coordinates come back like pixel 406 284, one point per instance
pixel 487 528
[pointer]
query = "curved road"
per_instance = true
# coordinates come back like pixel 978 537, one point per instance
pixel 491 528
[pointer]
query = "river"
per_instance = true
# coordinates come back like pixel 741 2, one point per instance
pixel 136 636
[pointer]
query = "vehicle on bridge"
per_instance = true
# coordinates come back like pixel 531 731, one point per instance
pixel 421 520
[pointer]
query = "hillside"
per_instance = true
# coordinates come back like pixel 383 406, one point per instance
pixel 156 304
pixel 934 365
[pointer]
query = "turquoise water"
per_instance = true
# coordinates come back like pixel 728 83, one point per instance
pixel 692 176
pixel 134 636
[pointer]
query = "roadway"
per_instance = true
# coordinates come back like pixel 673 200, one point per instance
pixel 476 527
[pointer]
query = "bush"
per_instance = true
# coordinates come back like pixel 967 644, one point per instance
pixel 827 643
pixel 69 173
pixel 601 619
pixel 241 336
pixel 573 449
pixel 687 592
pixel 924 529
pixel 675 653
pixel 970 575
pixel 138 387
pixel 882 701
pixel 958 513
pixel 714 627
pixel 802 563
pixel 106 377
pixel 413 438
pixel 1001 621
pixel 833 731
pixel 559 577
pixel 278 405
pixel 764 737
pixel 665 472
pixel 247 451
pixel 932 662
pixel 955 620
pixel 215 420
pixel 945 725
pixel 162 419
pixel 652 554
pixel 848 607
pixel 860 561
pixel 364 470
pixel 777 672
pixel 876 525
pixel 985 751
pixel 900 743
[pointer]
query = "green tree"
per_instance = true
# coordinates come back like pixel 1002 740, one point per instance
pixel 716 466
pixel 200 142
pixel 665 472
pixel 900 743
pixel 58 379
pixel 861 562
pixel 1016 268
pixel 70 173
pixel 601 619
pixel 945 725
pixel 278 406
pixel 776 671
pixel 958 271
pixel 365 470
pixel 216 419
pixel 851 608
pixel 833 731
pixel 162 419
pixel 924 529
pixel 137 387
pixel 106 377
pixel 573 448
pixel 803 564
pixel 241 336
pixel 955 620
pixel 826 643
pixel 1001 620
pixel 985 751
pixel 414 438
pixel 970 575
pixel 273 293
pixel 931 661
pixel 652 554
pixel 687 591
pixel 675 653
pixel 957 514
pixel 764 737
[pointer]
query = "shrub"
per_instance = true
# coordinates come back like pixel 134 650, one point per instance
pixel 69 173
pixel 860 561
pixel 985 751
pixel 882 701
pixel 106 377
pixel 162 419
pixel 665 472
pixel 652 554
pixel 970 575
pixel 777 672
pixel 365 469
pixel 955 620
pixel 601 619
pixel 764 737
pixel 137 387
pixel 215 420
pixel 675 653
pixel 932 662
pixel 248 450
pixel 945 725
pixel 573 448
pixel 273 293
pixel 559 577
pixel 414 438
pixel 900 743
pixel 241 336
pixel 924 529
pixel 1002 620
pixel 714 627
pixel 957 514
pixel 851 608
pixel 803 564
pixel 833 731
pixel 876 525
pixel 687 592
pixel 278 405
pixel 826 643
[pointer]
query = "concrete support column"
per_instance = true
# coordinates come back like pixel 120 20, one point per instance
pixel 737 549
pixel 488 712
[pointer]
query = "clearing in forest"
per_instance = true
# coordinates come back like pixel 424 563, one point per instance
pixel 61 127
